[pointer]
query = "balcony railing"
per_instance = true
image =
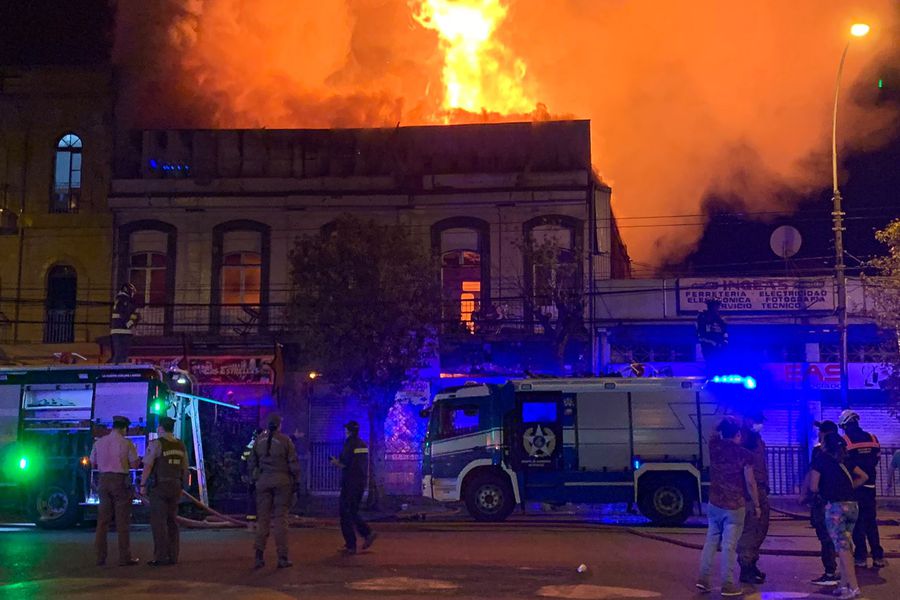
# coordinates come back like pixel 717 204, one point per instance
pixel 59 326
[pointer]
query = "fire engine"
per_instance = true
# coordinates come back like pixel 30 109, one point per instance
pixel 597 440
pixel 51 415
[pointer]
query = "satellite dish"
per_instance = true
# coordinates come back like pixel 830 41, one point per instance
pixel 785 241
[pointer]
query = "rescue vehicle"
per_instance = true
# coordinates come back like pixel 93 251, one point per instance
pixel 51 415
pixel 597 440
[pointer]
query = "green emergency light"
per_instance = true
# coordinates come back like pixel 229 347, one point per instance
pixel 23 463
pixel 157 407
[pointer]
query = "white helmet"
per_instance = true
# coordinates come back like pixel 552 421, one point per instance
pixel 847 416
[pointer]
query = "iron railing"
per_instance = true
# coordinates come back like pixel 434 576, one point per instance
pixel 59 326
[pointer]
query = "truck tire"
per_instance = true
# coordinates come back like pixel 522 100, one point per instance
pixel 667 501
pixel 489 497
pixel 51 506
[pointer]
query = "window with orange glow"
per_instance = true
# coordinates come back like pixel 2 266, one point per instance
pixel 241 277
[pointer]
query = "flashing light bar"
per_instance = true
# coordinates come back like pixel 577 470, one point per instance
pixel 747 381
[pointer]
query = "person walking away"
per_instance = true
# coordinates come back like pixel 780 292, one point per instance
pixel 755 528
pixel 165 472
pixel 817 513
pixel 113 456
pixel 276 472
pixel 121 327
pixel 731 479
pixel 832 478
pixel 863 451
pixel 895 466
pixel 354 462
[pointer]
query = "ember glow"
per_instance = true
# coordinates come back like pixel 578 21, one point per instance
pixel 685 98
pixel 480 74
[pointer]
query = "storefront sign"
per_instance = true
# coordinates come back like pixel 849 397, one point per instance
pixel 757 294
pixel 220 369
pixel 827 376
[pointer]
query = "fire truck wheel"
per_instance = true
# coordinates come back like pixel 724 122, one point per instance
pixel 666 501
pixel 489 497
pixel 50 506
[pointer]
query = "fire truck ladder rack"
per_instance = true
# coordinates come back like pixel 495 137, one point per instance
pixel 188 406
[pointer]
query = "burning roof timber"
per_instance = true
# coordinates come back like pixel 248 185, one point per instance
pixel 203 154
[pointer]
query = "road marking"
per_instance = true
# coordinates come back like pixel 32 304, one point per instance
pixel 594 592
pixel 134 589
pixel 401 584
pixel 777 596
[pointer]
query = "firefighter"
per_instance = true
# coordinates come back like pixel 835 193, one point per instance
pixel 863 451
pixel 712 331
pixel 275 470
pixel 354 462
pixel 165 472
pixel 125 316
pixel 756 527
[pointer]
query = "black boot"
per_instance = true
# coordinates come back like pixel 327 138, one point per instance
pixel 260 561
pixel 749 576
pixel 284 563
pixel 759 574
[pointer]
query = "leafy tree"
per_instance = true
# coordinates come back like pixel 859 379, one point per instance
pixel 886 298
pixel 555 294
pixel 365 312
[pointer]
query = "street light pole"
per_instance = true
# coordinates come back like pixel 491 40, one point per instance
pixel 837 215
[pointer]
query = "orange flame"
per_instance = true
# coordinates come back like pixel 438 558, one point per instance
pixel 480 74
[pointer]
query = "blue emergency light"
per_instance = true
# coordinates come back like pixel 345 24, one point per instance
pixel 747 381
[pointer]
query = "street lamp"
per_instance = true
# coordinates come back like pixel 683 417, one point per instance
pixel 837 215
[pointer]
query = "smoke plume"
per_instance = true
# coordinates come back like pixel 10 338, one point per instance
pixel 685 98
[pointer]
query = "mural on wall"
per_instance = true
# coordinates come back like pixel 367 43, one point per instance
pixel 404 427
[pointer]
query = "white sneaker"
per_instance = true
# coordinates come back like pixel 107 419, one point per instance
pixel 850 593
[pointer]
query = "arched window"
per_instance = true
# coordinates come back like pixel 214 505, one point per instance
pixel 241 277
pixel 240 295
pixel 462 244
pixel 67 175
pixel 553 270
pixel 148 266
pixel 62 292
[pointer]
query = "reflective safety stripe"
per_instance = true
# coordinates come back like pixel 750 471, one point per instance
pixel 360 451
pixel 121 331
pixel 872 443
pixel 116 316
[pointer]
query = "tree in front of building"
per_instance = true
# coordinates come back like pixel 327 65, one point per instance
pixel 365 312
pixel 886 297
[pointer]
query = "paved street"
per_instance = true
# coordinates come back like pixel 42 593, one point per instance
pixel 526 558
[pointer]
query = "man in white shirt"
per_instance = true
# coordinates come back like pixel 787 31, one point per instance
pixel 113 456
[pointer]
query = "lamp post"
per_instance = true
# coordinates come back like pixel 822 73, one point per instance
pixel 837 215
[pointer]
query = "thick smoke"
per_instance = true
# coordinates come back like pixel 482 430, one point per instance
pixel 685 98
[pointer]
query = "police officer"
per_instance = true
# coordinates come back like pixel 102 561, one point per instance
pixel 276 471
pixel 165 472
pixel 114 455
pixel 863 451
pixel 756 528
pixel 354 462
pixel 121 326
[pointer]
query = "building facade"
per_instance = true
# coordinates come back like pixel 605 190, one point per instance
pixel 55 225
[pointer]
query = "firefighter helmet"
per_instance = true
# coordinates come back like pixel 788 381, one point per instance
pixel 846 417
pixel 129 288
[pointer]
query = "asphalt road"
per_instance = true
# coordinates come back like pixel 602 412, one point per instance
pixel 410 560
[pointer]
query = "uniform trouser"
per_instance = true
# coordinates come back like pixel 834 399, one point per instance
pixel 351 522
pixel 121 346
pixel 115 501
pixel 273 502
pixel 817 520
pixel 755 531
pixel 867 526
pixel 164 498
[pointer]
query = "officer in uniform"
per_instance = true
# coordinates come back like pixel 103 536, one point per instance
pixel 863 451
pixel 114 455
pixel 756 528
pixel 165 472
pixel 121 326
pixel 354 462
pixel 276 471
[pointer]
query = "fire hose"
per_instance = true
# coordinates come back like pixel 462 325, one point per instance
pixel 224 521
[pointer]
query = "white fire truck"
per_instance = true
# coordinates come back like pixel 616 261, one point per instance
pixel 50 417
pixel 595 440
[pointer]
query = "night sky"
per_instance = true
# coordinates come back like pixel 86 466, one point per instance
pixel 67 32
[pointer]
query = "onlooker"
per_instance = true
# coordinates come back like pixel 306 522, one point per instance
pixel 831 478
pixel 863 451
pixel 817 514
pixel 895 466
pixel 731 477
pixel 755 528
